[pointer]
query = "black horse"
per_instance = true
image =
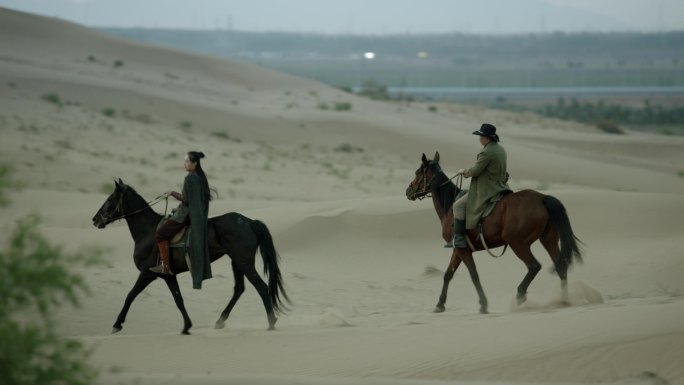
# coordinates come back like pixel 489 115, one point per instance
pixel 232 234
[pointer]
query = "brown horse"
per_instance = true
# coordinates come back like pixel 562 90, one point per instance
pixel 518 220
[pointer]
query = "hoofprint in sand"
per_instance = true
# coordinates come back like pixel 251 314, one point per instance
pixel 362 264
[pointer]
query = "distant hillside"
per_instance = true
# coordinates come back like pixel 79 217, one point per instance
pixel 558 59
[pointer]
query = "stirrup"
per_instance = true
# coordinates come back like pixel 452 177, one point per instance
pixel 162 268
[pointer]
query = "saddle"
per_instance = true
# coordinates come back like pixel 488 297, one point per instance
pixel 493 201
pixel 181 239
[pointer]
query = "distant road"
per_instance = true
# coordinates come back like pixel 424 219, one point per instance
pixel 460 93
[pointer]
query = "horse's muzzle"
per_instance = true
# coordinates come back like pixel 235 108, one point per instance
pixel 411 193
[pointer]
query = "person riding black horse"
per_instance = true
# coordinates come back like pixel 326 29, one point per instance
pixel 489 179
pixel 193 209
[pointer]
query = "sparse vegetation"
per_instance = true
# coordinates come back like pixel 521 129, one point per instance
pixel 348 148
pixel 109 112
pixel 609 127
pixel 91 58
pixel 343 106
pixel 185 125
pixel 323 106
pixel 432 108
pixel 53 98
pixel 681 173
pixel 118 63
pixel 36 279
pixel 374 90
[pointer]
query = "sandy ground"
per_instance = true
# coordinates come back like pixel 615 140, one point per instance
pixel 362 264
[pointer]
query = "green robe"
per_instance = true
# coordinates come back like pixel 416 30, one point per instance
pixel 196 205
pixel 489 179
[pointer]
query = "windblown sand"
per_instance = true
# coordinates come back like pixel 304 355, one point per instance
pixel 362 264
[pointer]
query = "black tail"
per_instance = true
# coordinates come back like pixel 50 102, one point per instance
pixel 271 269
pixel 569 243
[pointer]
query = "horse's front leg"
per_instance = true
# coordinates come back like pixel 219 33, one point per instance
pixel 172 283
pixel 470 264
pixel 143 281
pixel 451 269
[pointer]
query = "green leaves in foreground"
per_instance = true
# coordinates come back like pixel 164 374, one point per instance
pixel 36 279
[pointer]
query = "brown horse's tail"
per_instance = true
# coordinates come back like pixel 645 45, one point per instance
pixel 569 243
pixel 271 269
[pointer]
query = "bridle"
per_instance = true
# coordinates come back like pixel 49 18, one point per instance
pixel 107 219
pixel 427 186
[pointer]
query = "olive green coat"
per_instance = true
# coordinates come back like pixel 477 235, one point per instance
pixel 489 179
pixel 195 204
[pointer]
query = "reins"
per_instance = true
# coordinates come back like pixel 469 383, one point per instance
pixel 149 206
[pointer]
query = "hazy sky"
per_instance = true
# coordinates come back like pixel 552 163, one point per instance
pixel 370 16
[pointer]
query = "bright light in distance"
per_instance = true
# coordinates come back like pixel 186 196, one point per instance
pixel 369 55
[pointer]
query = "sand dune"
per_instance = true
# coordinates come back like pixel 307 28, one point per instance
pixel 362 264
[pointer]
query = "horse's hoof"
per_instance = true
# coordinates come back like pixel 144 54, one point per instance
pixel 271 327
pixel 438 309
pixel 219 325
pixel 116 329
pixel 521 299
pixel 484 311
pixel 186 332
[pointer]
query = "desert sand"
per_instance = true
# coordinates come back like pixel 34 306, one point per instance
pixel 362 264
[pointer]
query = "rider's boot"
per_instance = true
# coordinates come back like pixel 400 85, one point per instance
pixel 459 241
pixel 163 267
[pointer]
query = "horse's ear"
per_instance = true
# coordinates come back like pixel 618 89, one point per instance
pixel 424 159
pixel 121 183
pixel 436 156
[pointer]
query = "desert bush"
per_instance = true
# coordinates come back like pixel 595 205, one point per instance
pixel 53 98
pixel 343 106
pixel 609 127
pixel 323 106
pixel 348 148
pixel 108 112
pixel 432 108
pixel 186 125
pixel 118 64
pixel 36 279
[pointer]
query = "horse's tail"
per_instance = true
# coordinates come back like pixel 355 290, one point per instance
pixel 271 269
pixel 569 243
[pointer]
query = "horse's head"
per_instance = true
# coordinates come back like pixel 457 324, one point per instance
pixel 112 208
pixel 421 186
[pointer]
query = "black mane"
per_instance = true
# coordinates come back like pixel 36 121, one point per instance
pixel 442 187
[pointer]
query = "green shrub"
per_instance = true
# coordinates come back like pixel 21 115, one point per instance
pixel 609 127
pixel 118 64
pixel 108 112
pixel 36 279
pixel 432 108
pixel 343 106
pixel 53 98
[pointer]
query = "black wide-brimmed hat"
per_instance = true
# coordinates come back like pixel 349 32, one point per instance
pixel 487 130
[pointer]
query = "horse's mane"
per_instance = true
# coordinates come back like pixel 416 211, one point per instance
pixel 447 192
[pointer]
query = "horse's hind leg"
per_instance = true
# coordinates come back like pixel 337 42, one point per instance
pixel 261 287
pixel 143 281
pixel 451 269
pixel 550 242
pixel 238 289
pixel 172 283
pixel 467 257
pixel 533 266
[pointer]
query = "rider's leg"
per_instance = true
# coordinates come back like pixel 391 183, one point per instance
pixel 459 208
pixel 164 234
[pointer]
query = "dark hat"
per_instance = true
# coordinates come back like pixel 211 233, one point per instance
pixel 487 130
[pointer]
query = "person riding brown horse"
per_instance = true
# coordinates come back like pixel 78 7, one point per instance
pixel 489 179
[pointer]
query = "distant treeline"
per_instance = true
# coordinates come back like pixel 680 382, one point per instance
pixel 531 60
pixel 589 112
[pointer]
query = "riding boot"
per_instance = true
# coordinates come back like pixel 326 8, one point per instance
pixel 459 241
pixel 163 267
